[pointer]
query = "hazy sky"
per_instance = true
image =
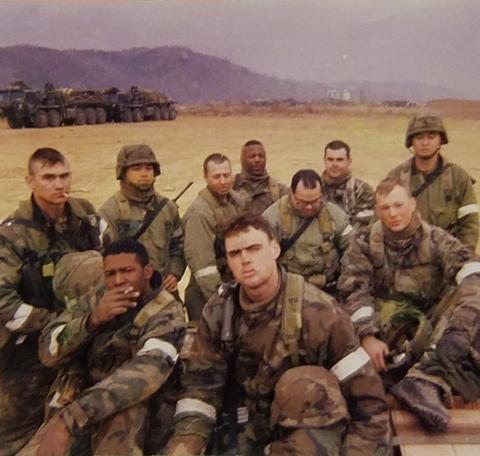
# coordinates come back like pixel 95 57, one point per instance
pixel 431 41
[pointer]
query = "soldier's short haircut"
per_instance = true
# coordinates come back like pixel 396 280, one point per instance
pixel 337 144
pixel 214 158
pixel 128 246
pixel 388 184
pixel 242 223
pixel 45 155
pixel 309 178
pixel 252 142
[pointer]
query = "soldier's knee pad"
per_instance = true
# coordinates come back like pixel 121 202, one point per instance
pixel 308 397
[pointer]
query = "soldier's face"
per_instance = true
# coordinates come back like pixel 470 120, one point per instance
pixel 337 164
pixel 306 201
pixel 252 257
pixel 141 176
pixel 396 209
pixel 219 178
pixel 426 145
pixel 50 184
pixel 254 159
pixel 124 269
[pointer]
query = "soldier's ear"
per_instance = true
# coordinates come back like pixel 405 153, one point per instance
pixel 275 248
pixel 28 180
pixel 413 202
pixel 148 271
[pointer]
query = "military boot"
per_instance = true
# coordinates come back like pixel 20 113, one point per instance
pixel 422 398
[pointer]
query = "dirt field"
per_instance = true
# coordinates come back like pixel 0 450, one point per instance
pixel 292 141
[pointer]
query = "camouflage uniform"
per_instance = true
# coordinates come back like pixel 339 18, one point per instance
pixel 125 363
pixel 256 194
pixel 258 343
pixel 403 290
pixel 25 235
pixel 202 222
pixel 125 215
pixel 353 195
pixel 316 254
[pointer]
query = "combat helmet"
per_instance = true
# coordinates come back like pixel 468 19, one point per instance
pixel 136 154
pixel 308 397
pixel 422 123
pixel 77 273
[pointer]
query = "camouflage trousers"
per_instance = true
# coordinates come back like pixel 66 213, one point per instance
pixel 135 431
pixel 24 384
pixel 306 442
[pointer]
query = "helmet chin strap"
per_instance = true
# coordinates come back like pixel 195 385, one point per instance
pixel 425 158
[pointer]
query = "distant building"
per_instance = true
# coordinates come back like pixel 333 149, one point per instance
pixel 339 94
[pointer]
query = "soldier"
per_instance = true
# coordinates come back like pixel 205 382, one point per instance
pixel 129 340
pixel 443 190
pixel 203 222
pixel 271 322
pixel 255 188
pixel 137 211
pixel 314 233
pixel 32 240
pixel 352 194
pixel 404 281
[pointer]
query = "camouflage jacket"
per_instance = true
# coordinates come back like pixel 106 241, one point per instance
pixel 26 234
pixel 256 197
pixel 316 253
pixel 124 361
pixel 353 195
pixel 449 202
pixel 258 354
pixel 163 238
pixel 202 223
pixel 418 271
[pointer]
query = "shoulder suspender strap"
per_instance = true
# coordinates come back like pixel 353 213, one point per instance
pixel 351 199
pixel 123 205
pixel 292 314
pixel 274 189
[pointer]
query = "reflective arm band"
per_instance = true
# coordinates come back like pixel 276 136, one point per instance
pixel 465 210
pixel 209 270
pixel 167 349
pixel 351 365
pixel 362 314
pixel 189 406
pixel 53 346
pixel 365 213
pixel 348 229
pixel 20 317
pixel 466 270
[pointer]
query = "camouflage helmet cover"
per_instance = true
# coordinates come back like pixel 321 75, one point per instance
pixel 77 273
pixel 308 397
pixel 422 123
pixel 136 154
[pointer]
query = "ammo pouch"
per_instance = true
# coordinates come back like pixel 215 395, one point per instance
pixel 35 286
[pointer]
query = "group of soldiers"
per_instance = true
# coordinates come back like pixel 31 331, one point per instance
pixel 305 304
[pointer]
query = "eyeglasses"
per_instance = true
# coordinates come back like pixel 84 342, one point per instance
pixel 302 203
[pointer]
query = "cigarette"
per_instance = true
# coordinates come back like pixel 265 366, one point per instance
pixel 66 195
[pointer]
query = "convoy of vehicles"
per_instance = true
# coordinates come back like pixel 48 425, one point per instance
pixel 25 107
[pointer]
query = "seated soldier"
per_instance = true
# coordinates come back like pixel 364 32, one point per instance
pixel 314 233
pixel 256 333
pixel 404 281
pixel 255 188
pixel 127 342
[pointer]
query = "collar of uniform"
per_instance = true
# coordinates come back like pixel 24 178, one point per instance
pixel 441 162
pixel 137 196
pixel 326 179
pixel 245 177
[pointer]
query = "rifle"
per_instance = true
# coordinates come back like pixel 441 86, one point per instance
pixel 184 189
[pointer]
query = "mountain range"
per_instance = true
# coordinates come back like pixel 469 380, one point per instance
pixel 186 76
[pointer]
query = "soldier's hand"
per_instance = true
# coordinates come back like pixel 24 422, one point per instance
pixel 170 283
pixel 114 302
pixel 56 440
pixel 377 350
